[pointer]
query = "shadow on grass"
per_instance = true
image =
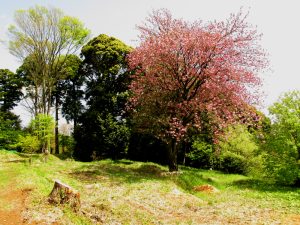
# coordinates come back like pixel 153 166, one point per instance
pixel 264 186
pixel 188 181
pixel 32 156
pixel 124 162
pixel 17 157
pixel 17 161
pixel 65 156
pixel 121 171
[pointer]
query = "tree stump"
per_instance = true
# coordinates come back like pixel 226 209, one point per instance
pixel 64 194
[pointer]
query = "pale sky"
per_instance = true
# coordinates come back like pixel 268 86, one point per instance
pixel 278 21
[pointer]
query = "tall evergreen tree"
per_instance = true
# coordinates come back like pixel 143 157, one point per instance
pixel 102 130
pixel 10 89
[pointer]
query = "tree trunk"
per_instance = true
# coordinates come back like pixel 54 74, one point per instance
pixel 44 107
pixel 75 90
pixel 184 152
pixel 64 194
pixel 36 108
pixel 56 151
pixel 173 152
pixel 46 155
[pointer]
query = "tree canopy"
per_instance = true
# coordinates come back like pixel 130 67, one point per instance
pixel 40 37
pixel 69 90
pixel 10 89
pixel 283 143
pixel 184 70
pixel 106 79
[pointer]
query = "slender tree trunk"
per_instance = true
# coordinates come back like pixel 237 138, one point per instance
pixel 49 100
pixel 76 108
pixel 56 126
pixel 184 152
pixel 44 107
pixel 36 108
pixel 173 152
pixel 75 122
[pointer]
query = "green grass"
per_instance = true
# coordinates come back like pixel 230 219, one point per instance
pixel 244 189
pixel 130 192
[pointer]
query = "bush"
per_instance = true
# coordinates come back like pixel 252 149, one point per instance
pixel 239 152
pixel 147 148
pixel 281 164
pixel 42 126
pixel 67 143
pixel 28 144
pixel 201 155
pixel 284 172
pixel 233 163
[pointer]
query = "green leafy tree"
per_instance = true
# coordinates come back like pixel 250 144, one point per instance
pixel 44 38
pixel 70 89
pixel 283 143
pixel 10 89
pixel 102 130
pixel 43 127
pixel 10 94
pixel 28 143
pixel 68 93
pixel 40 37
pixel 10 129
pixel 67 144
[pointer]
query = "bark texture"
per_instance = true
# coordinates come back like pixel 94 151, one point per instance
pixel 64 194
pixel 173 151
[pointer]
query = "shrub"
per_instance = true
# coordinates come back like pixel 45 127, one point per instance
pixel 238 151
pixel 43 127
pixel 233 163
pixel 280 162
pixel 201 154
pixel 28 144
pixel 67 143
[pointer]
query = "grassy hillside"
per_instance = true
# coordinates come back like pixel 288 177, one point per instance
pixel 127 192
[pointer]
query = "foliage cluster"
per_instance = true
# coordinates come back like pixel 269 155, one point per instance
pixel 102 129
pixel 10 129
pixel 238 151
pixel 186 71
pixel 282 145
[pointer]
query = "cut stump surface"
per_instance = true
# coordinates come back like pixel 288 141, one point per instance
pixel 64 194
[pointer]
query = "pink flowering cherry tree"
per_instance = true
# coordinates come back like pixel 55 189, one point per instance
pixel 184 69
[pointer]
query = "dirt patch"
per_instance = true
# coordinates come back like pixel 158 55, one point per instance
pixel 13 204
pixel 206 188
pixel 292 220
